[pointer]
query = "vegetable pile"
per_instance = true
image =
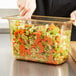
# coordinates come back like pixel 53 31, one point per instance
pixel 41 43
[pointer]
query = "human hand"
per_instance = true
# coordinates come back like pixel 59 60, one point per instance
pixel 73 17
pixel 26 8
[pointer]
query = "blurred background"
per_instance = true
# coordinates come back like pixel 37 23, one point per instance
pixel 8 4
pixel 7 8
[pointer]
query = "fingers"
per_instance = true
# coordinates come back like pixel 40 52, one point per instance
pixel 21 8
pixel 73 17
pixel 28 14
pixel 26 8
pixel 23 12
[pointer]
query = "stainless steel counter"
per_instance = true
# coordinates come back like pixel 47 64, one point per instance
pixel 11 67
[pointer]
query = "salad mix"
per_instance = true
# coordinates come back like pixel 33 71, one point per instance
pixel 41 43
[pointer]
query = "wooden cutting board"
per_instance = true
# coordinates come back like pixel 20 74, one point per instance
pixel 73 50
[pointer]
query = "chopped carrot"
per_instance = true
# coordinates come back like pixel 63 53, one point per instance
pixel 21 41
pixel 28 25
pixel 22 50
pixel 49 60
pixel 58 39
pixel 37 40
pixel 51 26
pixel 38 34
pixel 45 38
pixel 21 31
pixel 41 51
pixel 29 58
pixel 14 39
pixel 52 51
pixel 54 62
pixel 44 26
pixel 50 41
pixel 34 59
pixel 60 57
pixel 14 43
pixel 28 30
pixel 29 51
pixel 41 47
pixel 40 56
pixel 33 46
pixel 18 23
pixel 16 33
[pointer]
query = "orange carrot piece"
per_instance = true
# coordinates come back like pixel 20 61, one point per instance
pixel 18 23
pixel 38 34
pixel 33 46
pixel 14 43
pixel 52 51
pixel 28 25
pixel 49 59
pixel 21 31
pixel 50 41
pixel 51 26
pixel 14 39
pixel 41 47
pixel 54 62
pixel 40 56
pixel 58 39
pixel 45 38
pixel 16 33
pixel 21 41
pixel 29 51
pixel 22 50
pixel 29 58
